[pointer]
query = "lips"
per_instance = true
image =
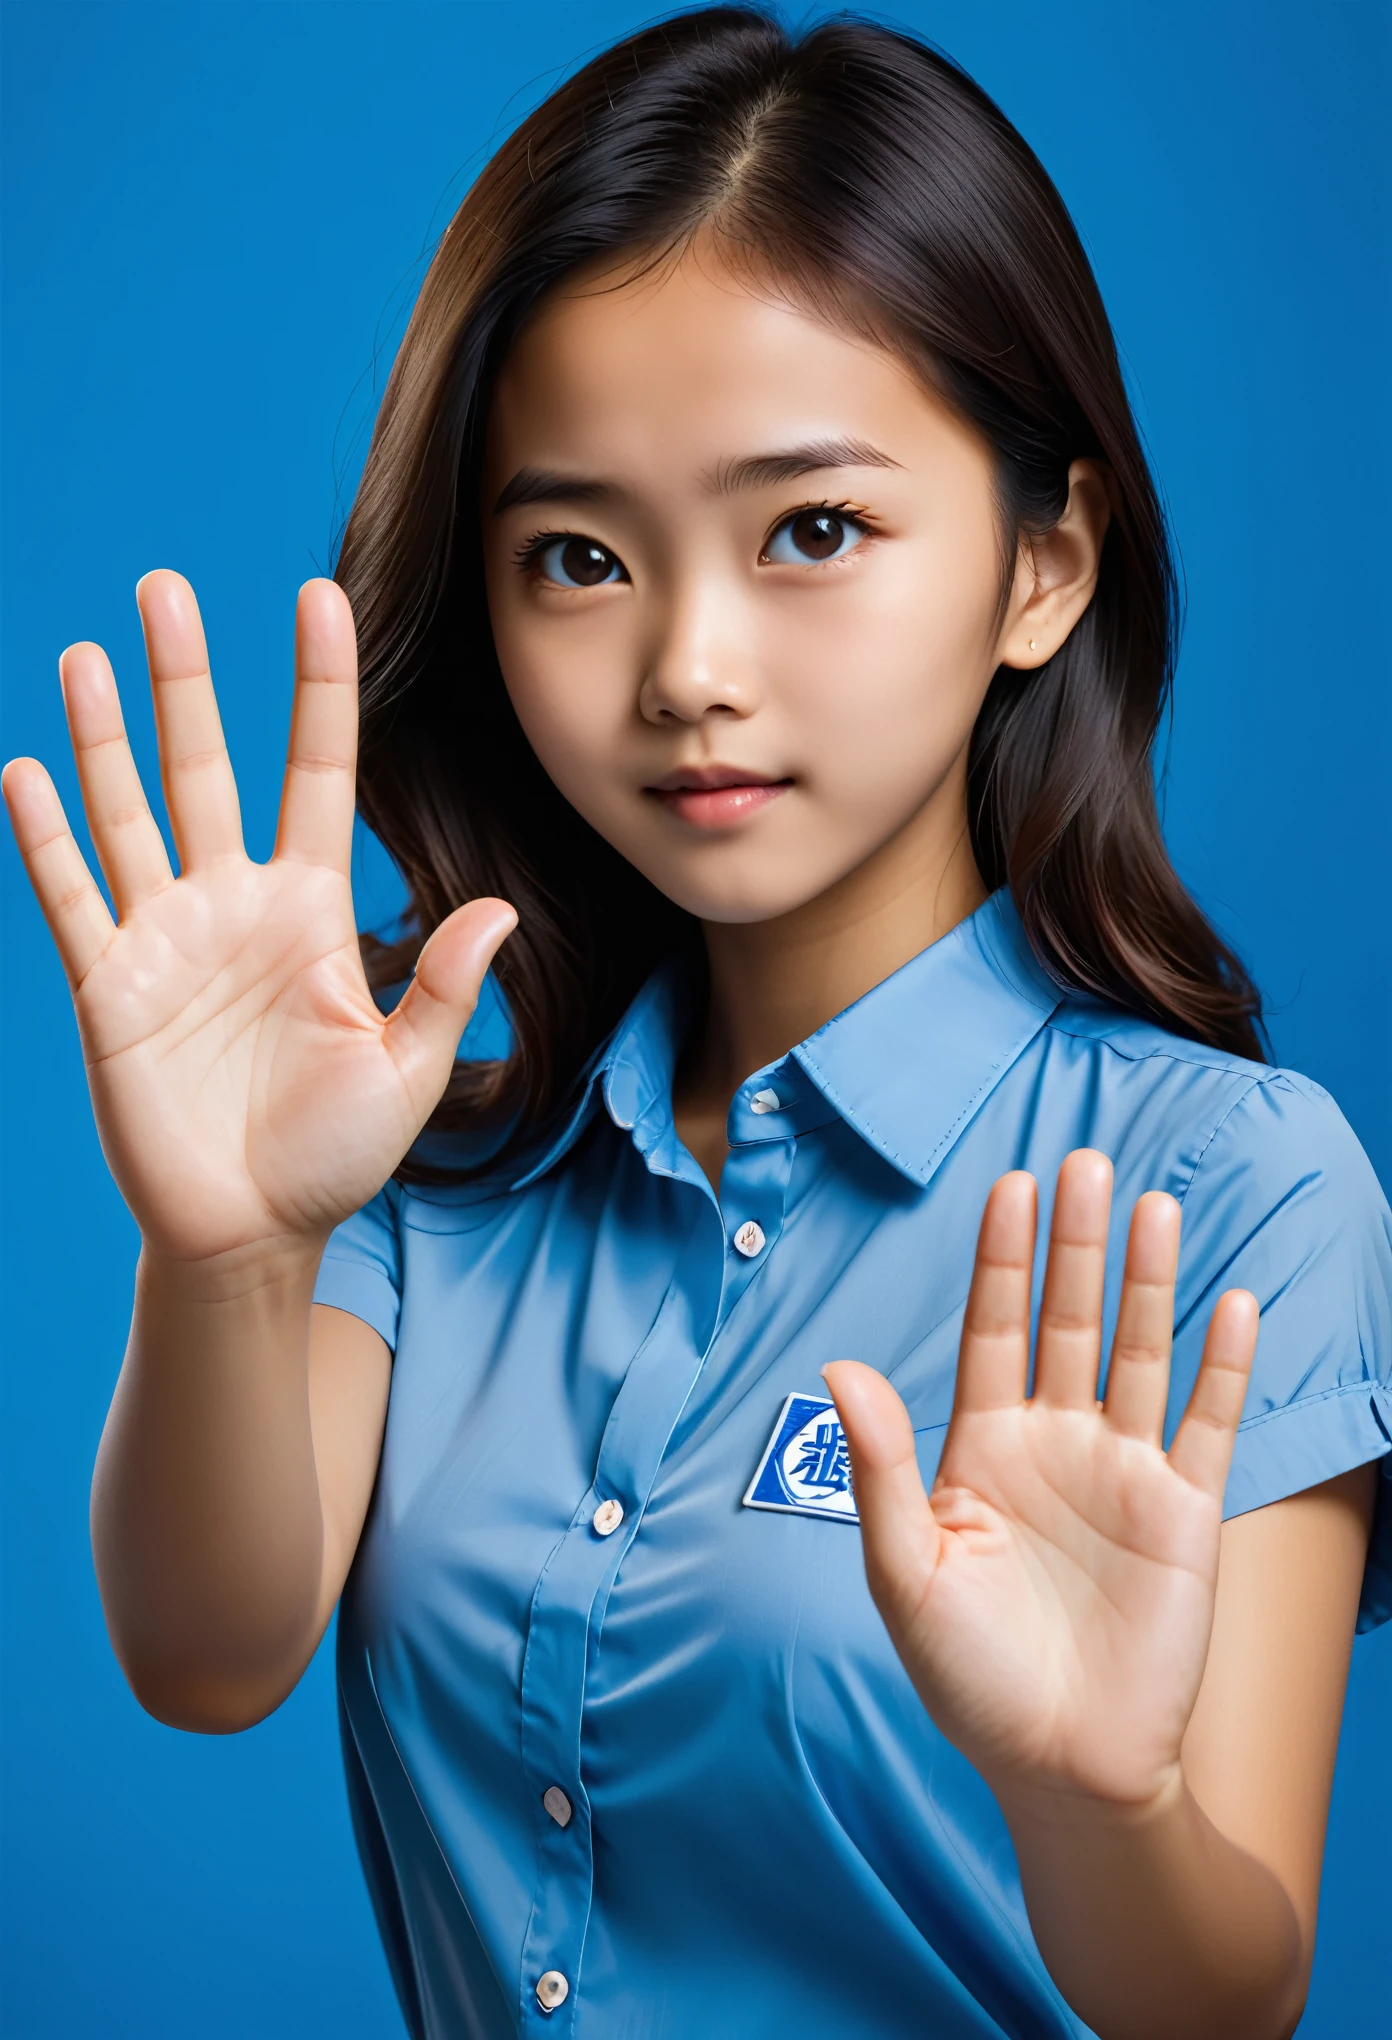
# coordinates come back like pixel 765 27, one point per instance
pixel 716 796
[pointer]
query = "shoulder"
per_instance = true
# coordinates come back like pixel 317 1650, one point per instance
pixel 1227 1112
pixel 1111 1038
pixel 1278 1198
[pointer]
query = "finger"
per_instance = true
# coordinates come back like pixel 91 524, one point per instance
pixel 1138 1379
pixel 993 1363
pixel 195 770
pixel 1070 1319
pixel 423 1031
pixel 316 808
pixel 78 917
pixel 898 1529
pixel 124 831
pixel 1203 1445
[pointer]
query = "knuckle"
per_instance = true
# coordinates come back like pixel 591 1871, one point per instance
pixel 1082 1321
pixel 132 815
pixel 74 896
pixel 1138 1353
pixel 60 837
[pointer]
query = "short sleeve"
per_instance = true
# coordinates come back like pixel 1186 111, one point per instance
pixel 1284 1202
pixel 361 1268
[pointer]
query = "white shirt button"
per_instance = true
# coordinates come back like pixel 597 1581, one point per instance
pixel 557 1805
pixel 552 1990
pixel 749 1240
pixel 606 1520
pixel 765 1101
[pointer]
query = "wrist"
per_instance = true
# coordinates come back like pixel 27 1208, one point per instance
pixel 1034 1809
pixel 1150 1920
pixel 257 1269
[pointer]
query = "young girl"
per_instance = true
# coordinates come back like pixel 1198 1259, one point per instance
pixel 759 588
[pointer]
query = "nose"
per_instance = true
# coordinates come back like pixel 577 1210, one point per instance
pixel 699 662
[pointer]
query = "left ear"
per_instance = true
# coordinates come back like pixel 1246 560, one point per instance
pixel 1056 572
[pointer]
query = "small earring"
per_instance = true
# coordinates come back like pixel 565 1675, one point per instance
pixel 1031 644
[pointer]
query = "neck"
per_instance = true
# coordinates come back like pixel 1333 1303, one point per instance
pixel 772 983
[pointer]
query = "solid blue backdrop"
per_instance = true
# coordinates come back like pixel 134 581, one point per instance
pixel 214 217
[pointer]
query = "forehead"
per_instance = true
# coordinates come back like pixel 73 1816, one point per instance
pixel 689 359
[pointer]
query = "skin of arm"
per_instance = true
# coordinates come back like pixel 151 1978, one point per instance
pixel 233 1478
pixel 1172 1888
pixel 1197 1915
pixel 240 1455
pixel 1153 1696
pixel 225 1019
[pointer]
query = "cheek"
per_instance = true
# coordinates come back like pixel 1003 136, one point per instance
pixel 885 684
pixel 568 683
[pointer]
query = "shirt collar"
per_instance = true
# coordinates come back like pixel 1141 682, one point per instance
pixel 911 1063
pixel 632 1069
pixel 907 1066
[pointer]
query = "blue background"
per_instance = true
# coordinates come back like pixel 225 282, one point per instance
pixel 214 219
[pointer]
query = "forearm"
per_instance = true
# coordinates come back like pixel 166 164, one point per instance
pixel 1152 1923
pixel 207 1529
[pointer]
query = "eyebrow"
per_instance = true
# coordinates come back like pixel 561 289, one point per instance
pixel 549 485
pixel 754 471
pixel 763 470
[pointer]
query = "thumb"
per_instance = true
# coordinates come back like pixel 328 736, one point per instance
pixel 898 1530
pixel 423 1030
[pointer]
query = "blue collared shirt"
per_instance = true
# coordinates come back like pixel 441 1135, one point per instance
pixel 608 1727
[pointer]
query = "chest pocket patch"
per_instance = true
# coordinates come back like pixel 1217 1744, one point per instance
pixel 806 1467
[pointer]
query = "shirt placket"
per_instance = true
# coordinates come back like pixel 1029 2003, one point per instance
pixel 766 1114
pixel 712 1273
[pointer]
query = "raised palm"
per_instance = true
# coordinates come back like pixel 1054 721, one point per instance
pixel 246 1088
pixel 1052 1598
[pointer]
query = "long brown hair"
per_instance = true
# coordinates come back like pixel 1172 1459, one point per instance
pixel 871 177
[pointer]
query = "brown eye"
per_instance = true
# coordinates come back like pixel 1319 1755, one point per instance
pixel 578 563
pixel 817 533
pixel 813 535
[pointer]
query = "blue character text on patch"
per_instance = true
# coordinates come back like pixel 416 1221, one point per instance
pixel 806 1467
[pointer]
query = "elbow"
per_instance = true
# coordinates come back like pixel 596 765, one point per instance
pixel 1267 2022
pixel 205 1668
pixel 1294 2008
pixel 202 1705
pixel 200 1710
pixel 1269 2010
pixel 1289 2009
pixel 203 1696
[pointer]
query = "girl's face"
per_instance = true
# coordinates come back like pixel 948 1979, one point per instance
pixel 744 574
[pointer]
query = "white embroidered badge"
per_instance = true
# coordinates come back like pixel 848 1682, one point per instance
pixel 806 1467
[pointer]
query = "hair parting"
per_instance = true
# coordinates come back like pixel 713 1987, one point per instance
pixel 864 173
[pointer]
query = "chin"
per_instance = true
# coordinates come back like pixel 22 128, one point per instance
pixel 736 898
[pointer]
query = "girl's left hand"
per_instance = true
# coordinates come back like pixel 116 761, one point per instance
pixel 1052 1599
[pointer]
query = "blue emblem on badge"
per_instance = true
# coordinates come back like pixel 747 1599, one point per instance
pixel 806 1467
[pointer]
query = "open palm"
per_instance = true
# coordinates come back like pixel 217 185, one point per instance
pixel 247 1089
pixel 1052 1599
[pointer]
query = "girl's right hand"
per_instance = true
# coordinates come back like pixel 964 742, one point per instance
pixel 248 1093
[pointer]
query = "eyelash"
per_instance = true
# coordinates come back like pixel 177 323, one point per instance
pixel 847 512
pixel 527 554
pixel 531 548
